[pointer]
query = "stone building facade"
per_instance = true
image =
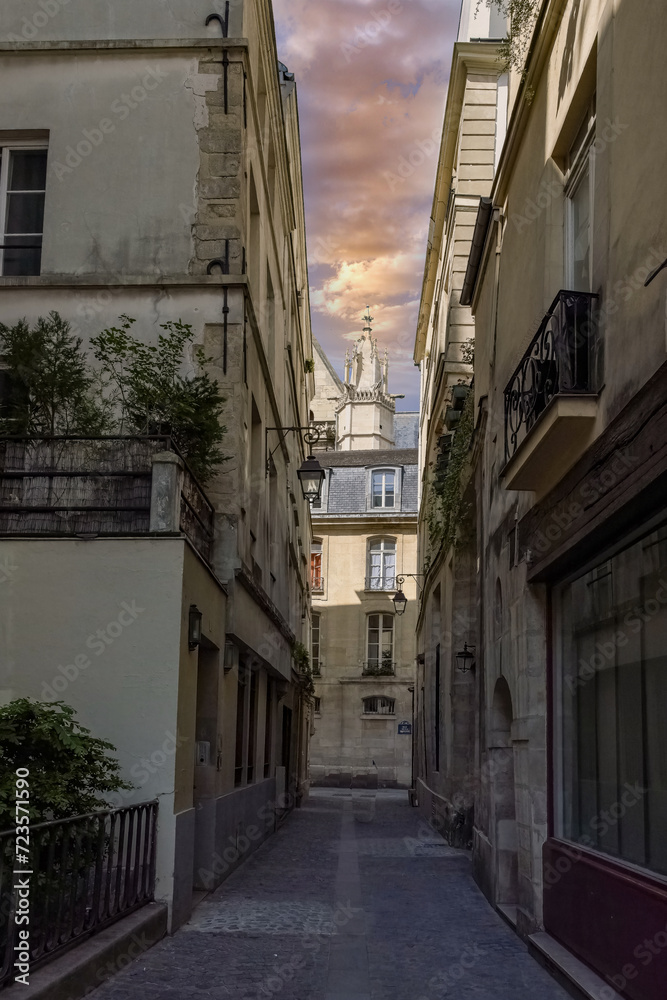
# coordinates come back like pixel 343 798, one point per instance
pixel 161 155
pixel 565 468
pixel 364 539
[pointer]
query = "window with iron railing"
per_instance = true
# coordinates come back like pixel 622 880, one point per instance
pixel 381 564
pixel 316 578
pixel 380 645
pixel 377 705
pixel 315 644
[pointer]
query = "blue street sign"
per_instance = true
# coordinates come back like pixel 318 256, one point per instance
pixel 405 729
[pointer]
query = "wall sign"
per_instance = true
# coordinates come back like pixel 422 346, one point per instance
pixel 405 729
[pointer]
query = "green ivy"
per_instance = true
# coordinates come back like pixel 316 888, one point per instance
pixel 445 508
pixel 70 770
pixel 521 16
pixel 301 658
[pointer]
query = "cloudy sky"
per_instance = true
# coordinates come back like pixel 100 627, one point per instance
pixel 372 81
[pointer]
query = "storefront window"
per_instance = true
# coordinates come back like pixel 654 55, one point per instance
pixel 611 637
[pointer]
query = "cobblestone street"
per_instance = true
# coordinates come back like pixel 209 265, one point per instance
pixel 345 902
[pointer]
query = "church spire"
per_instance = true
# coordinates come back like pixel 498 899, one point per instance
pixel 368 319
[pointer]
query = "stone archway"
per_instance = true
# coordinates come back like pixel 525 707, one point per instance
pixel 503 797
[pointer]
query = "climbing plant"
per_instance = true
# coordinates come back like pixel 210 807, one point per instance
pixel 521 16
pixel 301 658
pixel 445 507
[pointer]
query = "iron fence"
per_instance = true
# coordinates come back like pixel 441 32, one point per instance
pixel 379 668
pixel 561 358
pixel 86 873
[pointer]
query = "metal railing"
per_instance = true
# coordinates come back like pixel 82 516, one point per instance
pixel 87 872
pixel 386 582
pixel 77 486
pixel 379 668
pixel 561 358
pixel 317 583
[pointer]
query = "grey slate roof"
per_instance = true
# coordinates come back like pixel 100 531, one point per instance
pixel 406 430
pixel 348 480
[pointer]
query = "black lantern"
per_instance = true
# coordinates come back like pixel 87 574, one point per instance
pixel 311 475
pixel 466 658
pixel 400 600
pixel 194 627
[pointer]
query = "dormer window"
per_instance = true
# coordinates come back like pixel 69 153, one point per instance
pixel 384 489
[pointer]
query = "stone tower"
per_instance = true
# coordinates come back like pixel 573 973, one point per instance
pixel 365 411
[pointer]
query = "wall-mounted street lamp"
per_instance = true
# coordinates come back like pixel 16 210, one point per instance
pixel 311 474
pixel 400 600
pixel 194 627
pixel 465 659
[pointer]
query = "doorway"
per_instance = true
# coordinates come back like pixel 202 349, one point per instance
pixel 503 798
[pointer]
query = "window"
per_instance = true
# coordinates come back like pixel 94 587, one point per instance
pixel 380 658
pixel 579 207
pixel 379 706
pixel 316 580
pixel 22 192
pixel 315 643
pixel 381 564
pixel 383 488
pixel 318 706
pixel 611 646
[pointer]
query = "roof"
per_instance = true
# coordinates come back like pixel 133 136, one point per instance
pixel 367 458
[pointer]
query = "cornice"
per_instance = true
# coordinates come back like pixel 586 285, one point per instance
pixel 119 45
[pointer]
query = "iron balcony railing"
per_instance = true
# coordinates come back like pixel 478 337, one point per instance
pixel 386 581
pixel 86 873
pixel 561 358
pixel 379 668
pixel 77 486
pixel 317 582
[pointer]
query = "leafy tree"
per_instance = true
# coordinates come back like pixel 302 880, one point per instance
pixel 52 390
pixel 70 771
pixel 156 398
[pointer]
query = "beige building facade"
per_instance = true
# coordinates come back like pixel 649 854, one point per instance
pixel 167 186
pixel 364 540
pixel 564 466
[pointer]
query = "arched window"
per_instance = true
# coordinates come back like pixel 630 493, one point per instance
pixel 380 645
pixel 376 705
pixel 381 564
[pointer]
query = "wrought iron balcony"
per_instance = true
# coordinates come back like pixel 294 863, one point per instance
pixel 561 360
pixel 379 668
pixel 317 583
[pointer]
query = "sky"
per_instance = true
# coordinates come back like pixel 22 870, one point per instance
pixel 372 82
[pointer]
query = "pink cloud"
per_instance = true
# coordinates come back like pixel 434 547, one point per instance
pixel 371 78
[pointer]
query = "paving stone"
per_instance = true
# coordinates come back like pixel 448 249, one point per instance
pixel 343 903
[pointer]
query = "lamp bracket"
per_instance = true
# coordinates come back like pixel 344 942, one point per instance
pixel 310 435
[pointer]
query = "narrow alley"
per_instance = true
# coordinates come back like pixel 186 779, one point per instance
pixel 353 899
